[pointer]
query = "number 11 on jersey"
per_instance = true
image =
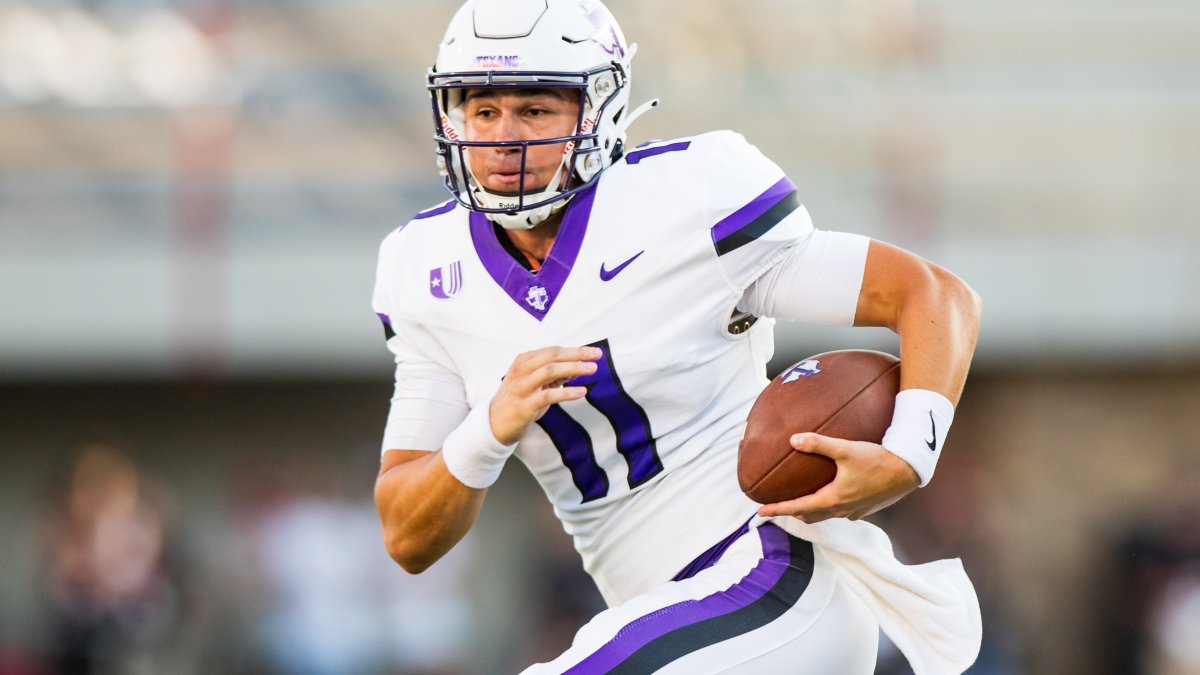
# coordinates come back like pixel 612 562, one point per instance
pixel 634 439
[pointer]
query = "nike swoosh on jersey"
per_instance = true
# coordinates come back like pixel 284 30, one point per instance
pixel 606 275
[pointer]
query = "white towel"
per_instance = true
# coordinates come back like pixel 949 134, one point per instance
pixel 930 611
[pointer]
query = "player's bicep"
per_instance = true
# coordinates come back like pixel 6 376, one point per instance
pixel 820 280
pixel 429 398
pixel 889 275
pixel 428 402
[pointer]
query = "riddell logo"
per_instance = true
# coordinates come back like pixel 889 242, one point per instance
pixel 584 128
pixel 450 132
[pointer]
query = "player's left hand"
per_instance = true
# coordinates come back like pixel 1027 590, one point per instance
pixel 868 479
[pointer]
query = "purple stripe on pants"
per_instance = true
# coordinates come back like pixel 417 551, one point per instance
pixel 640 632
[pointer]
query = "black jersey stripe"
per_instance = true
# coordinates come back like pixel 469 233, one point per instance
pixel 759 226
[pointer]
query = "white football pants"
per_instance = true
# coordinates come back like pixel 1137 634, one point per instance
pixel 760 602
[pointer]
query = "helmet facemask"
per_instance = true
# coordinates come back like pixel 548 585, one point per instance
pixel 591 147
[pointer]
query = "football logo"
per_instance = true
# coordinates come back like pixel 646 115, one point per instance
pixel 803 369
pixel 537 297
pixel 445 282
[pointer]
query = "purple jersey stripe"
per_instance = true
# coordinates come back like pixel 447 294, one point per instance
pixel 750 212
pixel 777 554
pixel 535 292
pixel 436 211
pixel 388 333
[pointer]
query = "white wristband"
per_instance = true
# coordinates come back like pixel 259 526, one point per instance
pixel 472 452
pixel 919 426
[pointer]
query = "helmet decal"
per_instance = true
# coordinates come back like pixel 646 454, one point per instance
pixel 497 61
pixel 606 33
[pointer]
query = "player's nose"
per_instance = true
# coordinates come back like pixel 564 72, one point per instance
pixel 509 128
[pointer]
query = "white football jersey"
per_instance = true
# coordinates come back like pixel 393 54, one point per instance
pixel 649 266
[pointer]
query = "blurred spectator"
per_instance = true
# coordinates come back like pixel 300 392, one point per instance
pixel 1153 625
pixel 332 601
pixel 114 595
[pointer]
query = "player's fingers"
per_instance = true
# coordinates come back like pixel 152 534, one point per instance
pixel 802 507
pixel 833 448
pixel 531 361
pixel 560 371
pixel 549 396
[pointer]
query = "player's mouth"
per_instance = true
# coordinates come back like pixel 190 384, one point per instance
pixel 508 180
pixel 512 183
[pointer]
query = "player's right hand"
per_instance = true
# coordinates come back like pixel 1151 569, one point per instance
pixel 535 381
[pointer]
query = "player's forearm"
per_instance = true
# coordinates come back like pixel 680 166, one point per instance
pixel 938 325
pixel 424 510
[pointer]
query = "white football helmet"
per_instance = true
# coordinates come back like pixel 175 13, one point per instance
pixel 533 44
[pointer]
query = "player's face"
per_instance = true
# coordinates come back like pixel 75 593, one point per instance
pixel 518 115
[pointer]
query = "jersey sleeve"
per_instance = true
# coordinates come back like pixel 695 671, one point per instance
pixel 818 281
pixel 429 399
pixel 754 213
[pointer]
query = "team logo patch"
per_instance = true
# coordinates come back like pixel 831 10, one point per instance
pixel 537 297
pixel 803 369
pixel 446 282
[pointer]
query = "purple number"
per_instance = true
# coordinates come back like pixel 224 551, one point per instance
pixel 635 440
pixel 575 446
pixel 638 155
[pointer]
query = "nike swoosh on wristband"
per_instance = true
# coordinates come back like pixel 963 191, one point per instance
pixel 933 425
pixel 606 275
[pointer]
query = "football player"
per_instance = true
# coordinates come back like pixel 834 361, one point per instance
pixel 604 314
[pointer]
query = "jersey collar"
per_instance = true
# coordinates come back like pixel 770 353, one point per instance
pixel 535 293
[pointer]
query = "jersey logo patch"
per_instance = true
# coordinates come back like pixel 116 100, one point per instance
pixel 537 297
pixel 606 275
pixel 446 282
pixel 803 369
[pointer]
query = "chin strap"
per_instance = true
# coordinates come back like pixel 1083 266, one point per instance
pixel 529 218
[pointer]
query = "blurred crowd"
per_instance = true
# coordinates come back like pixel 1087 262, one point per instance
pixel 299 583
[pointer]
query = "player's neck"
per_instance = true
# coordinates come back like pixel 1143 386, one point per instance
pixel 535 243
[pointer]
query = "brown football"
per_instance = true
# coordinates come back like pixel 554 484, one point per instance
pixel 846 394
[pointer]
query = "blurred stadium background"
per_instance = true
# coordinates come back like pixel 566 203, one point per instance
pixel 193 385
